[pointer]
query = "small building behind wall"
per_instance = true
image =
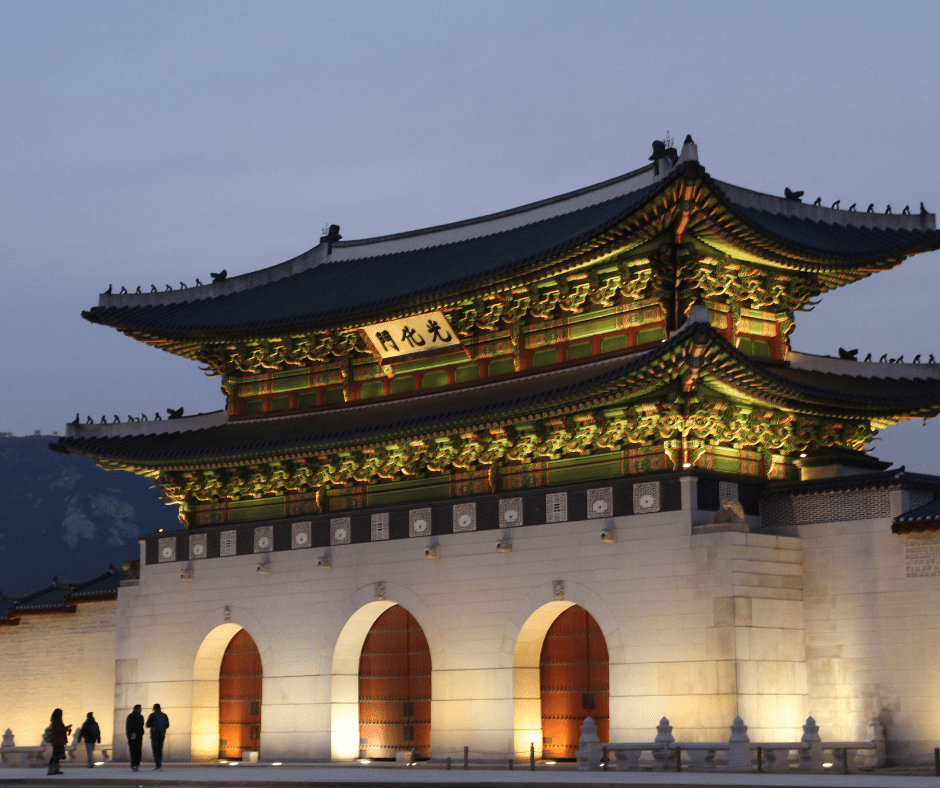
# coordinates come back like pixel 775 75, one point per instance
pixel 439 445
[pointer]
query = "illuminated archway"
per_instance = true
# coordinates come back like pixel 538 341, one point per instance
pixel 527 679
pixel 574 677
pixel 360 611
pixel 344 740
pixel 206 671
pixel 395 687
pixel 240 691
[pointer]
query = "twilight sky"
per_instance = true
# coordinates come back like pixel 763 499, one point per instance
pixel 155 142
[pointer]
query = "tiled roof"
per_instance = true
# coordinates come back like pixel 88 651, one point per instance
pixel 897 478
pixel 528 395
pixel 60 597
pixel 365 280
pixel 922 518
pixel 872 390
pixel 349 286
pixel 841 240
pixel 358 422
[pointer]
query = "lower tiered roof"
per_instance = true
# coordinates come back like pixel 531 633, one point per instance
pixel 696 362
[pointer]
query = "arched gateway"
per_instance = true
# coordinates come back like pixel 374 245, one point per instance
pixel 240 679
pixel 395 687
pixel 227 678
pixel 573 681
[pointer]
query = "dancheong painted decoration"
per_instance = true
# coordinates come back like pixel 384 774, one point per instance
pixel 640 326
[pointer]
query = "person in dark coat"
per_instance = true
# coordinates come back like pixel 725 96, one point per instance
pixel 59 737
pixel 158 722
pixel 91 733
pixel 134 728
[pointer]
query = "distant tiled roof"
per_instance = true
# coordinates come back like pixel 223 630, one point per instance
pixel 923 518
pixel 62 597
pixel 526 396
pixel 897 478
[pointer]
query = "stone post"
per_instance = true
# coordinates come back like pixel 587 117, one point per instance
pixel 589 747
pixel 875 759
pixel 663 738
pixel 739 753
pixel 8 739
pixel 812 756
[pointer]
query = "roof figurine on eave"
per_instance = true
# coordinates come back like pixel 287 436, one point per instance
pixel 647 315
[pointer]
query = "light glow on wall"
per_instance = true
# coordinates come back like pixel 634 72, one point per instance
pixel 205 721
pixel 526 693
pixel 344 711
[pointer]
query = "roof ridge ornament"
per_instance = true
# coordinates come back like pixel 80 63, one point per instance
pixel 689 150
pixel 330 236
pixel 663 157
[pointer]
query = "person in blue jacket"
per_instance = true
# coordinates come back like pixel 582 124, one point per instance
pixel 158 723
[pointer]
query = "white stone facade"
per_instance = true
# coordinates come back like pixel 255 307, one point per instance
pixel 699 628
pixel 701 624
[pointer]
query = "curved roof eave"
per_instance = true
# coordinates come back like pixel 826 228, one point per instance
pixel 603 383
pixel 325 289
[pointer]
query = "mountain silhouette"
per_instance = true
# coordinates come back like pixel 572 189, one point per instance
pixel 65 517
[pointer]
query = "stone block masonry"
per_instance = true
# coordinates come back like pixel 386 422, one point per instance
pixel 63 660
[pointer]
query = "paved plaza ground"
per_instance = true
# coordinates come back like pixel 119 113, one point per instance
pixel 360 776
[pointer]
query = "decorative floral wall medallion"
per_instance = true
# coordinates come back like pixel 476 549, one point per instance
pixel 300 535
pixel 600 503
pixel 340 531
pixel 166 549
pixel 198 546
pixel 510 512
pixel 465 517
pixel 646 497
pixel 264 539
pixel 419 522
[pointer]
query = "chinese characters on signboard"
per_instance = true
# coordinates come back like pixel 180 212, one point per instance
pixel 412 336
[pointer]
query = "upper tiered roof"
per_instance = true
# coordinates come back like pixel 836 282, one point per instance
pixel 347 283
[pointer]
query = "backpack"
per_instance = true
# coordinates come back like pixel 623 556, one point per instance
pixel 160 723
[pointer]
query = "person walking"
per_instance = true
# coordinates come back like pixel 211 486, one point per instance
pixel 91 733
pixel 158 722
pixel 134 728
pixel 58 738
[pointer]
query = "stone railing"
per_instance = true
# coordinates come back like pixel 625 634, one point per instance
pixel 739 753
pixel 13 755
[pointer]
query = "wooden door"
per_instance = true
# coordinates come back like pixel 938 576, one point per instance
pixel 395 687
pixel 240 697
pixel 574 679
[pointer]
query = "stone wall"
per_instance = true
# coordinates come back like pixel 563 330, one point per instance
pixel 872 631
pixel 63 660
pixel 699 628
